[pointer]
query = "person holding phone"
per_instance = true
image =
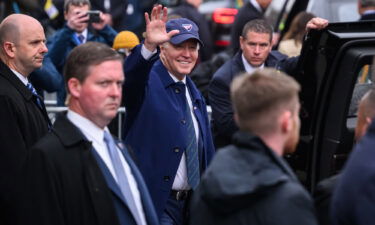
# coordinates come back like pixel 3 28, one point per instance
pixel 82 25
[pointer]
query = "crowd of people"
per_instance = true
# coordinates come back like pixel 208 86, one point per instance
pixel 171 166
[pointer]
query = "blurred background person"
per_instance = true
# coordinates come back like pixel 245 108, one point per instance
pixel 291 43
pixel 252 9
pixel 114 12
pixel 124 42
pixel 189 9
pixel 366 8
pixel 77 30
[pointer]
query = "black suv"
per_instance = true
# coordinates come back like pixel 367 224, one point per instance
pixel 330 64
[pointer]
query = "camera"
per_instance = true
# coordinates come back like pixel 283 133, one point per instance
pixel 94 16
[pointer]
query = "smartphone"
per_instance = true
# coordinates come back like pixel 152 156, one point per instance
pixel 94 16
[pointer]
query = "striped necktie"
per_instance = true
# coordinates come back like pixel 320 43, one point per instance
pixel 35 94
pixel 191 152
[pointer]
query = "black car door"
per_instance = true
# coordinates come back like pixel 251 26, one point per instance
pixel 331 65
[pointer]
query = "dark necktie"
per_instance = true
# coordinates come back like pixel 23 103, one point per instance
pixel 191 152
pixel 122 180
pixel 37 97
pixel 81 38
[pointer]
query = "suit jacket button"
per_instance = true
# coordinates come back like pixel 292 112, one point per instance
pixel 166 178
pixel 177 91
pixel 177 150
pixel 183 121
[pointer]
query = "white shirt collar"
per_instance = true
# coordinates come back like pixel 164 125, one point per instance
pixel 249 68
pixel 21 77
pixel 88 128
pixel 370 11
pixel 256 5
pixel 177 80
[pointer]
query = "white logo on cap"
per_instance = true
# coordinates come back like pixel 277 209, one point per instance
pixel 188 27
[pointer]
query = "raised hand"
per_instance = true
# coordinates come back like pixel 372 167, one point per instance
pixel 156 33
pixel 78 20
pixel 316 23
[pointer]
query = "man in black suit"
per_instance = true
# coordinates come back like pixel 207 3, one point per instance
pixel 78 173
pixel 252 9
pixel 23 116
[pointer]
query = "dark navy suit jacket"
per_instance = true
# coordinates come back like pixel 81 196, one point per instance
pixel 222 113
pixel 70 184
pixel 154 126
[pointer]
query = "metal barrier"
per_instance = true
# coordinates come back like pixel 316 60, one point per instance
pixel 53 110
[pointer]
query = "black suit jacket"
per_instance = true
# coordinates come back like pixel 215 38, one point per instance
pixel 367 16
pixel 22 124
pixel 71 185
pixel 245 14
pixel 223 124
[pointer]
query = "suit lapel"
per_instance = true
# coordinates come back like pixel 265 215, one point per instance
pixel 73 139
pixel 111 182
pixel 147 203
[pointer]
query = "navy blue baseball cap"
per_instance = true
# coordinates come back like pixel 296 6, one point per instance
pixel 188 30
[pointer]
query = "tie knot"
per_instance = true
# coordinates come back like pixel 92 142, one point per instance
pixel 81 38
pixel 31 88
pixel 107 137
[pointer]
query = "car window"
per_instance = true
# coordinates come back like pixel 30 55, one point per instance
pixel 334 10
pixel 347 11
pixel 362 85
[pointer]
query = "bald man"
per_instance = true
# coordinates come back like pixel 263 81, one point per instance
pixel 23 116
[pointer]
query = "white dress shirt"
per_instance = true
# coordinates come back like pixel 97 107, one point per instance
pixel 21 77
pixel 181 180
pixel 256 5
pixel 249 68
pixel 96 135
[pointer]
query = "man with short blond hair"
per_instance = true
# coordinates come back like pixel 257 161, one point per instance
pixel 268 99
pixel 249 182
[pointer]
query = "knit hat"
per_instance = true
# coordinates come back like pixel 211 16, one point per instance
pixel 125 39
